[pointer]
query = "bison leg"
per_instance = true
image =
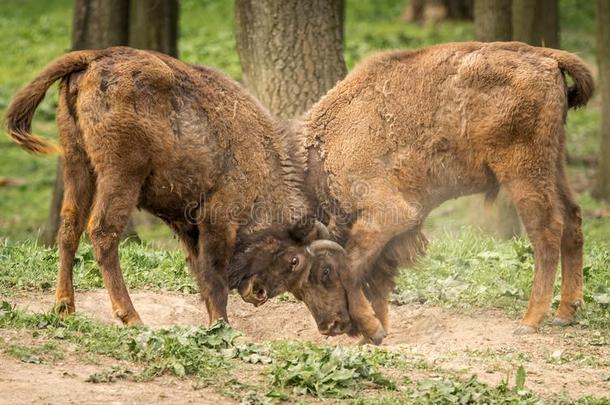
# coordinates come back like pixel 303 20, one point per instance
pixel 189 239
pixel 571 254
pixel 212 281
pixel 78 195
pixel 538 205
pixel 369 235
pixel 378 292
pixel 115 198
pixel 77 200
pixel 379 285
pixel 216 243
pixel 401 251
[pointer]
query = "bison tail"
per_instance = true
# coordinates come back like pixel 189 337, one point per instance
pixel 21 110
pixel 582 89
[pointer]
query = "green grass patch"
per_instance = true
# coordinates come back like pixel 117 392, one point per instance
pixel 461 270
pixel 471 391
pixel 28 266
pixel 470 270
pixel 34 354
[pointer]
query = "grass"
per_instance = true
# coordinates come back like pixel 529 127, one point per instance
pixel 206 353
pixel 470 270
pixel 461 270
pixel 324 371
pixel 29 267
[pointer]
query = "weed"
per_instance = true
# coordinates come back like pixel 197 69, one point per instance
pixel 323 371
pixel 179 351
pixel 471 391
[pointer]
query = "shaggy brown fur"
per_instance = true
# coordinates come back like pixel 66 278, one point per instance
pixel 186 143
pixel 407 130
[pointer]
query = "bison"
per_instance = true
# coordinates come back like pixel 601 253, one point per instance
pixel 407 130
pixel 186 143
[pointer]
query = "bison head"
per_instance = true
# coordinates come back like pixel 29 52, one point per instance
pixel 301 260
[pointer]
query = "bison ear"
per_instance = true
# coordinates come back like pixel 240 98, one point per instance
pixel 309 229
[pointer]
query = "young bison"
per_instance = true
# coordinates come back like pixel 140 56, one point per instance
pixel 407 130
pixel 183 142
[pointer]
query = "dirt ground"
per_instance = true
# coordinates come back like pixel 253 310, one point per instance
pixel 557 360
pixel 65 382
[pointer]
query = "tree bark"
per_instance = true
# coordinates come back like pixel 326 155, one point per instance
pixel 459 9
pixel 100 23
pixel 492 20
pixel 291 51
pixel 96 24
pixel 154 25
pixel 603 59
pixel 536 22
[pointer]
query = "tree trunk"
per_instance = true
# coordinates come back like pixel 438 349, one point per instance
pixel 96 24
pixel 492 20
pixel 603 59
pixel 291 51
pixel 459 9
pixel 154 25
pixel 100 23
pixel 536 22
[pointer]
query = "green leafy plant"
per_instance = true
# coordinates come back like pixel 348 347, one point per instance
pixel 471 391
pixel 520 378
pixel 180 351
pixel 325 371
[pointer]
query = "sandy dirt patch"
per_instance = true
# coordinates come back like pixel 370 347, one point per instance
pixel 64 381
pixel 557 360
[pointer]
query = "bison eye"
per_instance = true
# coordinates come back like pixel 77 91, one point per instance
pixel 326 271
pixel 294 261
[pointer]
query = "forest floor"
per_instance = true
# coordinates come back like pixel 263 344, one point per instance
pixel 437 342
pixel 451 337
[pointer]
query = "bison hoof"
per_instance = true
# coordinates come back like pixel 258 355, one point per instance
pixel 364 341
pixel 129 319
pixel 135 322
pixel 377 337
pixel 64 308
pixel 563 322
pixel 525 330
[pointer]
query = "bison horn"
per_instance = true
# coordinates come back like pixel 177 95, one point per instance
pixel 321 230
pixel 319 245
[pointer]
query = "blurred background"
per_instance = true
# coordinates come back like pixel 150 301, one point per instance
pixel 289 53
